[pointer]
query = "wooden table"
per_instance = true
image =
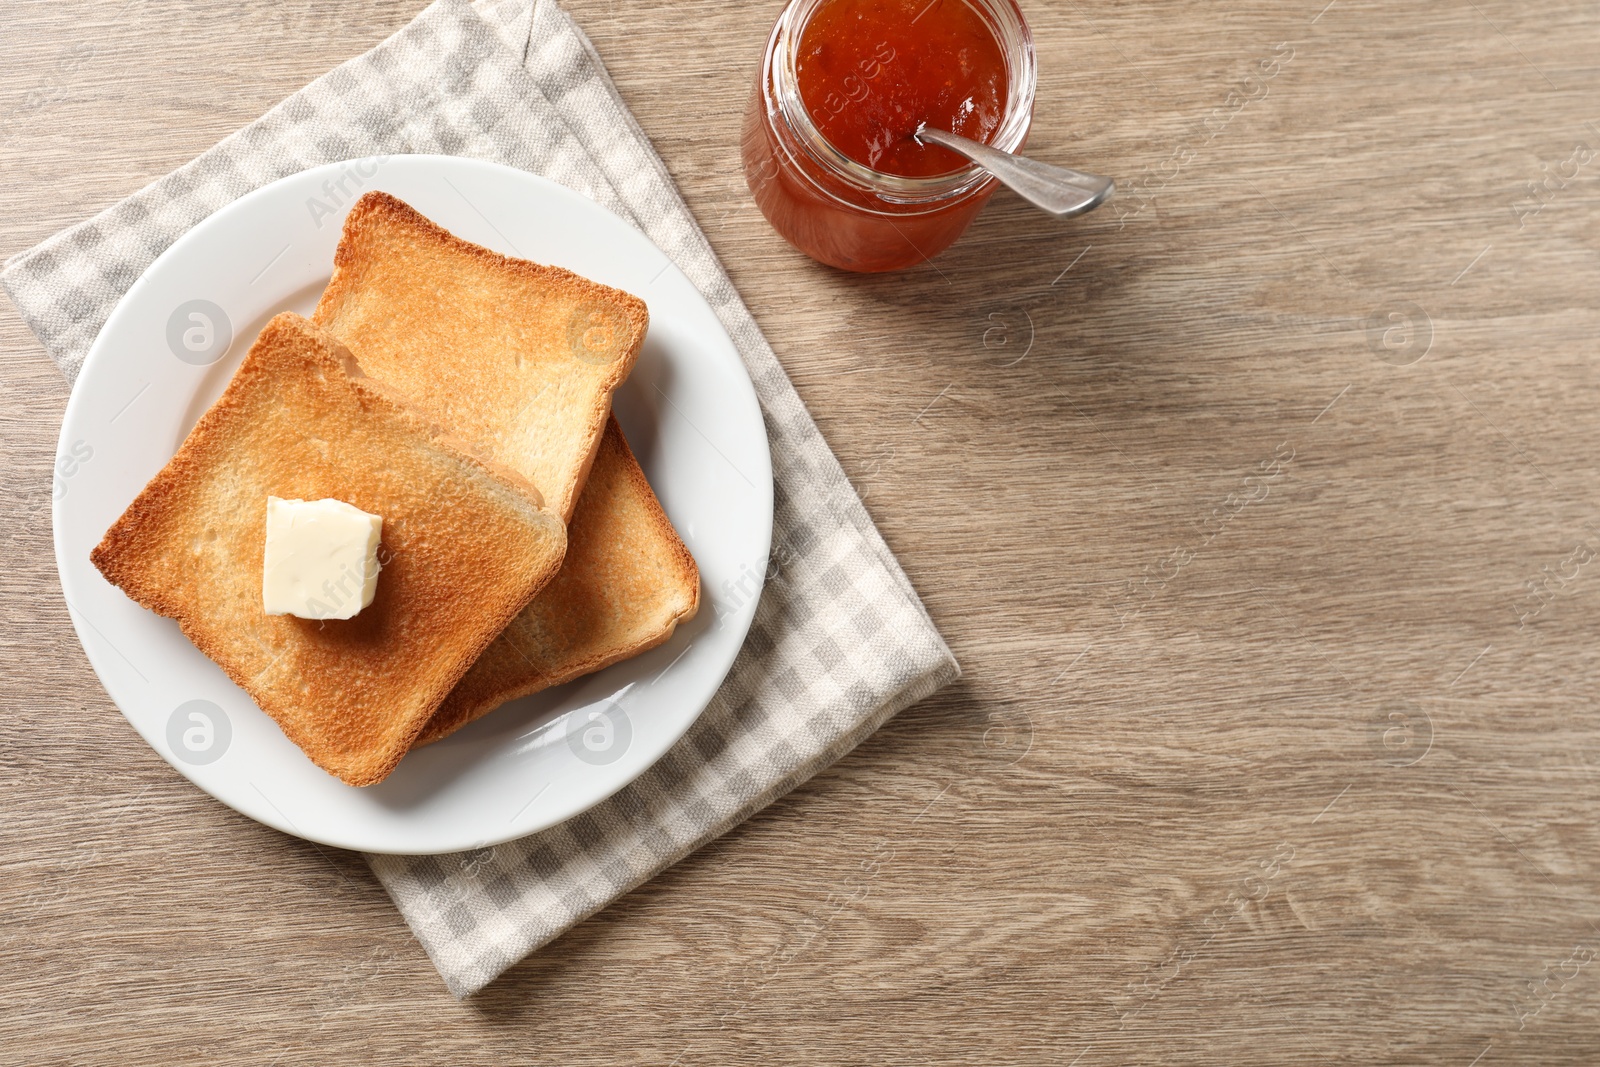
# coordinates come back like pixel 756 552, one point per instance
pixel 1260 512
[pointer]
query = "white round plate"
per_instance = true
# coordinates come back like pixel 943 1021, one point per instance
pixel 171 346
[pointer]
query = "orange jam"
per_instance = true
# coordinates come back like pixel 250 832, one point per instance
pixel 829 143
pixel 872 72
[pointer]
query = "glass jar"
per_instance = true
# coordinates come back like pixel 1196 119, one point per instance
pixel 842 212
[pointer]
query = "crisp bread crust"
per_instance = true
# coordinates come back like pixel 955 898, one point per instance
pixel 518 357
pixel 627 581
pixel 465 548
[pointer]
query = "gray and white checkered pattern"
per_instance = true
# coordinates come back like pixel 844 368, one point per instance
pixel 840 641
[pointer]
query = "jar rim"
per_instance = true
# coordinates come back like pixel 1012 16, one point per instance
pixel 781 80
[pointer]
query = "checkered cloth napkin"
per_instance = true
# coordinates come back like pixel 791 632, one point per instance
pixel 840 641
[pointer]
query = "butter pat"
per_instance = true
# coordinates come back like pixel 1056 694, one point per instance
pixel 321 558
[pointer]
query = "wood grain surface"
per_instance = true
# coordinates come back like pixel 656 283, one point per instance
pixel 1260 512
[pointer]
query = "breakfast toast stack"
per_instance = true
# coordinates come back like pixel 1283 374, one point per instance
pixel 464 397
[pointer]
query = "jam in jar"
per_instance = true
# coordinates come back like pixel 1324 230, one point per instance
pixel 829 143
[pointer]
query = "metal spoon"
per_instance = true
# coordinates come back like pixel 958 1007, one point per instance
pixel 1060 191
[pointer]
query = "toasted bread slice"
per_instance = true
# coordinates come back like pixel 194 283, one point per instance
pixel 625 585
pixel 465 548
pixel 520 359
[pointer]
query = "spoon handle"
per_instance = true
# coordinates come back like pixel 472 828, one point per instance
pixel 1060 191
